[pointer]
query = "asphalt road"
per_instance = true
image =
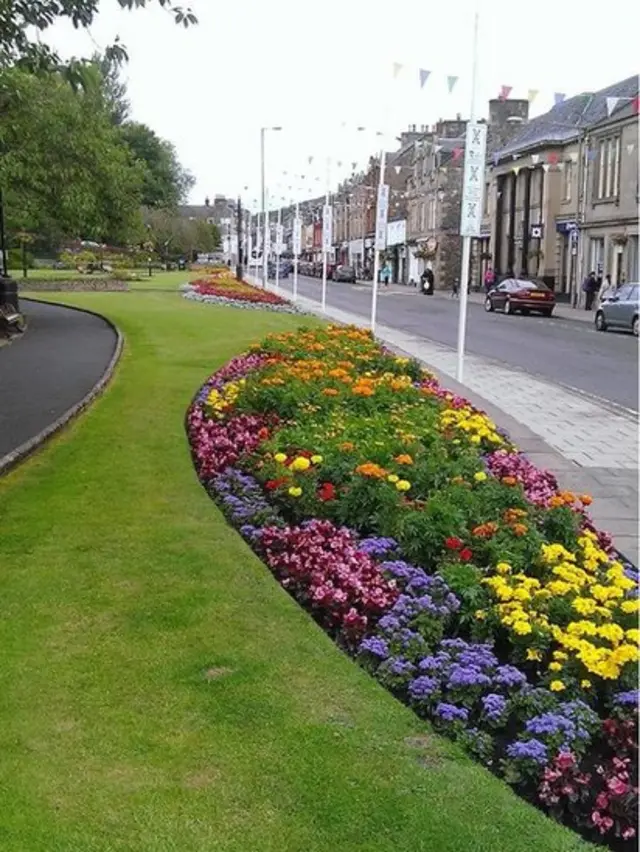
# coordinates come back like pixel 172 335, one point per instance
pixel 58 361
pixel 565 351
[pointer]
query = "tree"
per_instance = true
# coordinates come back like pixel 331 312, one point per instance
pixel 175 236
pixel 113 87
pixel 166 182
pixel 63 166
pixel 21 21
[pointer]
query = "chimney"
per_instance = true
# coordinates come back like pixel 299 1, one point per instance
pixel 502 111
pixel 207 201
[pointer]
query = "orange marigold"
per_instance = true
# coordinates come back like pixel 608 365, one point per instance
pixel 330 392
pixel 586 499
pixel 371 469
pixel 520 529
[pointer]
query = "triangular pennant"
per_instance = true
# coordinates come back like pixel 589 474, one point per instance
pixel 546 166
pixel 424 76
pixel 515 170
pixel 535 159
pixel 573 156
pixel 532 94
pixel 398 169
pixel 354 165
pixel 457 153
pixel 310 160
pixel 437 149
pixel 630 148
pixel 505 91
pixel 553 158
pixel 339 163
pixel 397 68
pixel 612 103
pixel 451 82
pixel 558 97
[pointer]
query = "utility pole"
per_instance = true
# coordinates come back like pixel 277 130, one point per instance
pixel 239 238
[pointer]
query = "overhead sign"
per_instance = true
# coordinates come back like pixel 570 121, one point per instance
pixel 475 152
pixel 382 212
pixel 327 227
pixel 297 236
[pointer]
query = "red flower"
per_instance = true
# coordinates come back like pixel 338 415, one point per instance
pixel 263 434
pixel 465 554
pixel 327 492
pixel 453 543
pixel 272 484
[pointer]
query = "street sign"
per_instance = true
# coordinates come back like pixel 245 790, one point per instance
pixel 297 236
pixel 327 227
pixel 475 149
pixel 382 212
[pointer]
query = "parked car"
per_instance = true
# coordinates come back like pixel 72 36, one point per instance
pixel 345 273
pixel 620 309
pixel 521 294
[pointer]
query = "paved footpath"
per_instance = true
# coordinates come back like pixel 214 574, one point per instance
pixel 589 446
pixel 49 369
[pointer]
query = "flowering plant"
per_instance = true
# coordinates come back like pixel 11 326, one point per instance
pixel 458 573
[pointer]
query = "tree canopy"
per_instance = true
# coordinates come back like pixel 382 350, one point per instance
pixel 22 20
pixel 63 166
pixel 174 235
pixel 166 183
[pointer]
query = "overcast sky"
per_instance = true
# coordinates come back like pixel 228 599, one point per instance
pixel 311 67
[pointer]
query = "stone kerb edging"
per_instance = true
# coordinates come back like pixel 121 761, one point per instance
pixel 72 285
pixel 18 455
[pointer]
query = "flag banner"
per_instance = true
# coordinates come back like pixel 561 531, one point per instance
pixel 382 213
pixel 424 76
pixel 535 159
pixel 297 235
pixel 505 91
pixel 573 156
pixel 310 160
pixel 475 150
pixel 496 159
pixel 457 153
pixel 327 226
pixel 516 170
pixel 546 167
pixel 630 148
pixel 451 82
pixel 532 94
pixel 553 158
pixel 398 169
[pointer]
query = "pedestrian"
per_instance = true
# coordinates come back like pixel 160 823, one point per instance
pixel 386 274
pixel 454 288
pixel 608 289
pixel 590 287
pixel 430 282
pixel 489 279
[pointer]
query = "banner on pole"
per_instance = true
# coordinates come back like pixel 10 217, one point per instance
pixel 382 213
pixel 297 236
pixel 327 227
pixel 473 182
pixel 279 239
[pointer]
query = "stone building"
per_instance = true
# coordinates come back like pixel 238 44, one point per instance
pixel 539 190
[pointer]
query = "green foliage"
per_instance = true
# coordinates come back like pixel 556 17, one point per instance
pixel 175 236
pixel 64 169
pixel 165 182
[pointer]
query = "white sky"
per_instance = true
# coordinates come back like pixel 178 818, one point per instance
pixel 310 67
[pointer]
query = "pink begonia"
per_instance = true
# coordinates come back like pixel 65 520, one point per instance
pixel 320 564
pixel 217 445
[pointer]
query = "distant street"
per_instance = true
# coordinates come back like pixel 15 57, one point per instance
pixel 567 352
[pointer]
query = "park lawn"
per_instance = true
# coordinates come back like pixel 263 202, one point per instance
pixel 159 691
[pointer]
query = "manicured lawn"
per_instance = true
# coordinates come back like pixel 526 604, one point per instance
pixel 159 690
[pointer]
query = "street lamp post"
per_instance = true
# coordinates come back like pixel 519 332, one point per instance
pixel 265 267
pixel 239 238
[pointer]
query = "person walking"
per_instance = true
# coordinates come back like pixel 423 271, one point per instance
pixel 489 279
pixel 590 287
pixel 386 274
pixel 455 288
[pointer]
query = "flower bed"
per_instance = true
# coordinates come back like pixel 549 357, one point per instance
pixel 459 575
pixel 220 287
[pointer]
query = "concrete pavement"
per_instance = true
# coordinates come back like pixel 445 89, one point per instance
pixel 591 446
pixel 60 358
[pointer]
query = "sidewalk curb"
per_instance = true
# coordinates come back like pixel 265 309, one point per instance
pixel 21 453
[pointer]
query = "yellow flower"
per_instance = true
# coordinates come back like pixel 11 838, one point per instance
pixel 560 655
pixel 403 485
pixel 280 458
pixel 633 635
pixel 393 477
pixel 584 606
pixel 555 667
pixel 585 684
pixel 557 686
pixel 503 567
pixel 300 463
pixel 316 459
pixel 475 439
pixel 629 607
pixel 612 632
pixel 522 628
pixel 480 476
pixel 480 614
pixel 533 654
pixel 295 491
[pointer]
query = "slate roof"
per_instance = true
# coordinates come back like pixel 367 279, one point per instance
pixel 567 120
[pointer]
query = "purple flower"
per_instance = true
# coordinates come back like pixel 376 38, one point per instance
pixel 509 676
pixel 528 750
pixel 494 706
pixel 451 713
pixel 376 646
pixel 401 667
pixel 627 699
pixel 378 548
pixel 422 687
pixel 465 676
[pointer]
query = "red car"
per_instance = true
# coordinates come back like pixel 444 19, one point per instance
pixel 522 295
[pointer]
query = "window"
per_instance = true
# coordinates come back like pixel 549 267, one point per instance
pixel 568 181
pixel 608 169
pixel 597 255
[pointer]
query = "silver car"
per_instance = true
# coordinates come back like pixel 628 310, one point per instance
pixel 620 309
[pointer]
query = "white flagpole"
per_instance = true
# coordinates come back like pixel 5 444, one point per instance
pixel 466 240
pixel 376 254
pixel 297 238
pixel 278 245
pixel 326 234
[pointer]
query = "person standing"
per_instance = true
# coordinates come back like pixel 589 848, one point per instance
pixel 489 279
pixel 386 274
pixel 590 287
pixel 454 288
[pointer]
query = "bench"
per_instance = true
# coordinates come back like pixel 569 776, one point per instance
pixel 11 319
